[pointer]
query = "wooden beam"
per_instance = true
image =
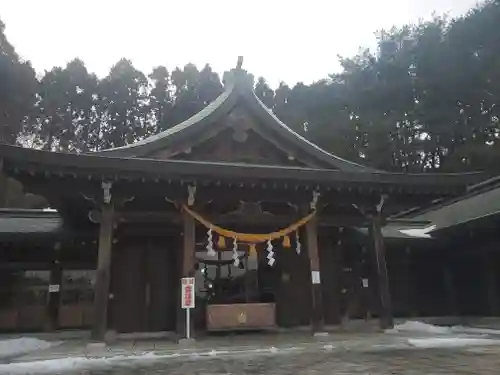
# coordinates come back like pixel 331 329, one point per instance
pixel 189 243
pixel 385 305
pixel 103 276
pixel 317 316
pixel 173 217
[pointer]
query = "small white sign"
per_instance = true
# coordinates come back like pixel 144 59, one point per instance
pixel 187 293
pixel 315 277
pixel 365 283
pixel 54 288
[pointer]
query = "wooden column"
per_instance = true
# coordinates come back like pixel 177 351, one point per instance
pixel 375 230
pixel 53 304
pixel 317 319
pixel 103 275
pixel 188 262
pixel 3 186
pixel 491 281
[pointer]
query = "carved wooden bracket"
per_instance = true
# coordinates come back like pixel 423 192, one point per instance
pixel 106 188
pixel 248 209
pixel 314 201
pixel 191 194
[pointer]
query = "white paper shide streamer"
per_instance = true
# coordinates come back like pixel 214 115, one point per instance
pixel 210 244
pixel 270 253
pixel 236 258
pixel 298 246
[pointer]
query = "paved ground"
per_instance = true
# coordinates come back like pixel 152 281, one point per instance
pixel 479 361
pixel 373 354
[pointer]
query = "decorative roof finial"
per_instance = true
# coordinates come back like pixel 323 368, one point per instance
pixel 239 63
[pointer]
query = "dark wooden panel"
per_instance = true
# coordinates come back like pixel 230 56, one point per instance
pixel 330 254
pixel 161 280
pixel 128 288
pixel 293 287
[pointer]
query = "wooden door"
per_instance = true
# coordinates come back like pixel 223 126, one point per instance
pixel 127 311
pixel 160 285
pixel 143 285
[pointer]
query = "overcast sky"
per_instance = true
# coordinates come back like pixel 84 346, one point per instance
pixel 282 40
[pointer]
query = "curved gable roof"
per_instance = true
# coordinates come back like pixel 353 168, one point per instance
pixel 238 89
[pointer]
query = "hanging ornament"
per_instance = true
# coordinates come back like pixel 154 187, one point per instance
pixel 270 253
pixel 298 246
pixel 236 258
pixel 252 250
pixel 210 243
pixel 286 241
pixel 221 243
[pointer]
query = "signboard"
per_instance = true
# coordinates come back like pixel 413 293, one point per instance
pixel 187 293
pixel 54 288
pixel 365 283
pixel 315 277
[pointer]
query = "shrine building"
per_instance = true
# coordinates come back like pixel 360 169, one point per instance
pixel 276 231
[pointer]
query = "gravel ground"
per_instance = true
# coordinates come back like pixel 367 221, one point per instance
pixel 477 360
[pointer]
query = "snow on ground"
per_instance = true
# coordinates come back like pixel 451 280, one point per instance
pixel 467 336
pixel 56 366
pixel 415 326
pixel 450 342
pixel 61 365
pixel 22 345
pixel 420 327
pixel 473 330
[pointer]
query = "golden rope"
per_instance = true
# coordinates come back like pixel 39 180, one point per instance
pixel 250 237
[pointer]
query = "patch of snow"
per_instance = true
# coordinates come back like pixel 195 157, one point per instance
pixel 472 330
pixel 23 345
pixel 415 326
pixel 75 364
pixel 56 366
pixel 419 232
pixel 450 342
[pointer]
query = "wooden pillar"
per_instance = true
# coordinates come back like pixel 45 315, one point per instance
pixel 3 187
pixel 188 257
pixel 317 319
pixel 103 275
pixel 52 321
pixel 375 230
pixel 408 279
pixel 491 277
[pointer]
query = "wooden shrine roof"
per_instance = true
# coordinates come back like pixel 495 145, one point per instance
pixel 29 221
pixel 37 162
pixel 138 162
pixel 478 205
pixel 238 90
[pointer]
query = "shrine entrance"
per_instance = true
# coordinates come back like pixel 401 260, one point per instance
pixel 245 282
pixel 236 297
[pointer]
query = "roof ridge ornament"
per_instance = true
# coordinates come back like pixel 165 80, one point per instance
pixel 239 77
pixel 239 63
